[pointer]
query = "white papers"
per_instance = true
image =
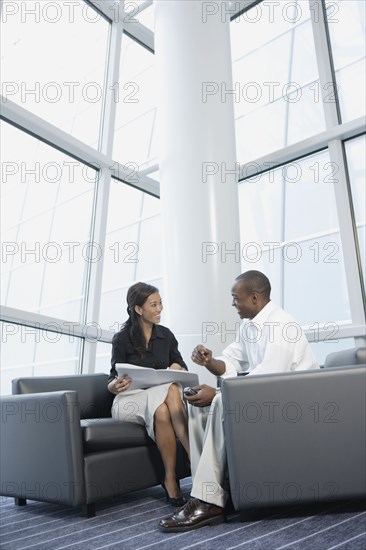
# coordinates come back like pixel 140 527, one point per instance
pixel 143 377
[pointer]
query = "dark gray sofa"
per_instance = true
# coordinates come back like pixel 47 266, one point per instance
pixel 296 437
pixel 346 357
pixel 59 444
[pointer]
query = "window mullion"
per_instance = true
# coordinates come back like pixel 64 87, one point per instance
pixel 347 232
pixel 325 63
pixel 94 284
pixel 111 93
pixel 336 153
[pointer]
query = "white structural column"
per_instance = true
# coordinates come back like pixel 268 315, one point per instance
pixel 198 179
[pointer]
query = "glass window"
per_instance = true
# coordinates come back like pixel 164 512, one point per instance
pixel 103 357
pixel 275 76
pixel 133 250
pixel 355 151
pixel 53 59
pixel 135 129
pixel 147 16
pixel 309 196
pixel 47 208
pixel 294 238
pixel 346 23
pixel 155 175
pixel 313 276
pixel 28 351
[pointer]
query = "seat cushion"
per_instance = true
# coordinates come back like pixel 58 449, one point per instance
pixel 102 434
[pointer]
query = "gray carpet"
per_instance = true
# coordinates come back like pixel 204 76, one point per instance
pixel 130 522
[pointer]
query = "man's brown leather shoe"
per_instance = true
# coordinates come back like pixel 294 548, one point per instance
pixel 193 515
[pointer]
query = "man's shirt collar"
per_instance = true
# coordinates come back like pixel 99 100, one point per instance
pixel 263 315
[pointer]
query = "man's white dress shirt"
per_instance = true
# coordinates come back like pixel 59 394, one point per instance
pixel 270 342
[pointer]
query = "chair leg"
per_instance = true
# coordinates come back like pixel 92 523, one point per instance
pixel 90 510
pixel 20 501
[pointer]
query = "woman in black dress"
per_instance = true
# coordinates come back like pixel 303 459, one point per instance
pixel 141 341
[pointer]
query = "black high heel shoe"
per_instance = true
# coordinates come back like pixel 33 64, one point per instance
pixel 177 502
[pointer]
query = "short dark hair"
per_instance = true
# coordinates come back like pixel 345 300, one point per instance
pixel 256 281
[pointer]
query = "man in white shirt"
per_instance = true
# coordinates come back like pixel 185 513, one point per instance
pixel 268 341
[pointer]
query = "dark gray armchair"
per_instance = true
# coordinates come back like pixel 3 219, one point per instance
pixel 346 358
pixel 59 444
pixel 295 438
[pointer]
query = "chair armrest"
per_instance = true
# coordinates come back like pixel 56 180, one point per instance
pixel 41 447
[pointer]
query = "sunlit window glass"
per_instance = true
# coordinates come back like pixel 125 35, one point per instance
pixel 47 205
pixel 27 351
pixel 133 250
pixel 293 236
pixel 103 354
pixel 135 128
pixel 346 23
pixel 147 16
pixel 277 97
pixel 53 60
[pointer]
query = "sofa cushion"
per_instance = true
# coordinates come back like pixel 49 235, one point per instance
pixel 102 434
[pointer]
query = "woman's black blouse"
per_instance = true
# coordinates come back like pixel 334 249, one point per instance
pixel 160 354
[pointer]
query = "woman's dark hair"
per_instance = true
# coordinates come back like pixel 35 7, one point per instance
pixel 137 295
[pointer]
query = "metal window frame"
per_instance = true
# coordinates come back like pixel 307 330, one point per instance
pixel 101 160
pixel 332 138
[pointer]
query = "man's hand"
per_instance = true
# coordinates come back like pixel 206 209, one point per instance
pixel 201 355
pixel 204 396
